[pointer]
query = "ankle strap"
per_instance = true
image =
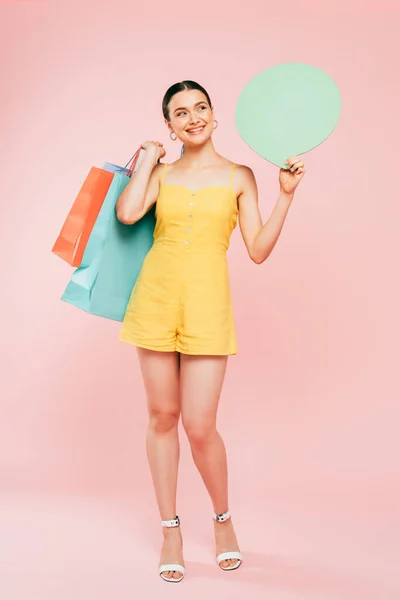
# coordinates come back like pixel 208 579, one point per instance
pixel 172 523
pixel 222 517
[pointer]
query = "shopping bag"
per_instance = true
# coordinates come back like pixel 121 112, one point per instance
pixel 103 283
pixel 113 258
pixel 72 240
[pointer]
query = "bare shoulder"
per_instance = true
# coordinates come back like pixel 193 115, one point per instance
pixel 157 171
pixel 245 179
pixel 159 167
pixel 171 167
pixel 245 172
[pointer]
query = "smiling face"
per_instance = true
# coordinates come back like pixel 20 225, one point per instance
pixel 191 117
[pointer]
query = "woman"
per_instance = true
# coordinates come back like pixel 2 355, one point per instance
pixel 180 315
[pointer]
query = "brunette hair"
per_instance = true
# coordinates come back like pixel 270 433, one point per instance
pixel 179 87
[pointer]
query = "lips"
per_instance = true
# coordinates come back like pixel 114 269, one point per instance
pixel 195 130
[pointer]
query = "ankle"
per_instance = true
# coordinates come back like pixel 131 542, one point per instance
pixel 171 530
pixel 222 517
pixel 171 533
pixel 222 526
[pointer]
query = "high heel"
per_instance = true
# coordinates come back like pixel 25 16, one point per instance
pixel 234 554
pixel 172 567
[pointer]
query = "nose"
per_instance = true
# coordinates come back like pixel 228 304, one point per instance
pixel 194 119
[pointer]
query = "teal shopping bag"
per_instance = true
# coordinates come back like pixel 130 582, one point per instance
pixel 114 255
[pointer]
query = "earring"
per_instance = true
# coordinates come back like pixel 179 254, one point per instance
pixel 175 138
pixel 215 125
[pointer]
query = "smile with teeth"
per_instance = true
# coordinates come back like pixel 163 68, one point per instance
pixel 196 131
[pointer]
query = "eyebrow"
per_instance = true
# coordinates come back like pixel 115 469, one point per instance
pixel 184 107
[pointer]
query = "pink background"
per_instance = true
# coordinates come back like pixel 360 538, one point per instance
pixel 310 408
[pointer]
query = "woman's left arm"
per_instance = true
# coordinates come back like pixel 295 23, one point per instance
pixel 260 239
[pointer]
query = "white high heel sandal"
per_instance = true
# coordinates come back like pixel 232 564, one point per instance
pixel 227 555
pixel 172 567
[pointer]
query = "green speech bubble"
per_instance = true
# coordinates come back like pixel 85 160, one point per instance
pixel 287 110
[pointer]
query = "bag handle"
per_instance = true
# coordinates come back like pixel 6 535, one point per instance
pixel 135 158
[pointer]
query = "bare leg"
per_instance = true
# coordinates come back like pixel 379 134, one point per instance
pixel 160 372
pixel 201 383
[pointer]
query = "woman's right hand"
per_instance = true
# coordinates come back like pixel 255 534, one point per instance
pixel 155 150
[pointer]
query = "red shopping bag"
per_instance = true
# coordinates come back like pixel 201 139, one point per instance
pixel 71 243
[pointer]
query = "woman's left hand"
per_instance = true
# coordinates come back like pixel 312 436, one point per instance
pixel 290 179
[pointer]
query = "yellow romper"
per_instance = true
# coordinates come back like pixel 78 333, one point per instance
pixel 181 300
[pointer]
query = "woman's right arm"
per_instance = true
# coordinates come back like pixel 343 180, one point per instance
pixel 142 191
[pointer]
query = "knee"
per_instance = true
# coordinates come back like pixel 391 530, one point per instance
pixel 199 433
pixel 162 421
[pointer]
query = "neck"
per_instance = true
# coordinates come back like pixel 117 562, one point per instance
pixel 198 157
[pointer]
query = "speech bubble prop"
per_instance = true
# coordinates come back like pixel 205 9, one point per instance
pixel 287 110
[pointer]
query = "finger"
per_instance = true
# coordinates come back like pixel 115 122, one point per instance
pixel 296 165
pixel 291 160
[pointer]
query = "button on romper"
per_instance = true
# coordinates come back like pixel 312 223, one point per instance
pixel 181 300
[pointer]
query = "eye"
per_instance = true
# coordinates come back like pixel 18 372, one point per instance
pixel 182 112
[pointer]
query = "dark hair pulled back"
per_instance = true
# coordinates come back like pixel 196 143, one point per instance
pixel 179 87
